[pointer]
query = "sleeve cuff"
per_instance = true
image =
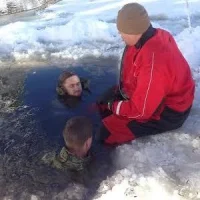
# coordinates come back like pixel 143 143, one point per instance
pixel 116 107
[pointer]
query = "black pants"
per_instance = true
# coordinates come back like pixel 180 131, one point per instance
pixel 169 120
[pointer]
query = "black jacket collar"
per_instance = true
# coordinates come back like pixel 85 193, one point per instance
pixel 150 32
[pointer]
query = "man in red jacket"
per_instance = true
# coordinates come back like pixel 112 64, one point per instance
pixel 156 89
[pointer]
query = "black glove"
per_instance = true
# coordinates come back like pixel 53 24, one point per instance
pixel 85 84
pixel 110 95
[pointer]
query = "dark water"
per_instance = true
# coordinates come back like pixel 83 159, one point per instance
pixel 52 114
pixel 30 133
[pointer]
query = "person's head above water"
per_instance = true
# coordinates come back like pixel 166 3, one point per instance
pixel 69 84
pixel 78 135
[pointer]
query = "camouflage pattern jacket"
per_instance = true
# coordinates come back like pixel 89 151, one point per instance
pixel 66 161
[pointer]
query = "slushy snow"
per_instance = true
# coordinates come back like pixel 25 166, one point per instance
pixel 165 166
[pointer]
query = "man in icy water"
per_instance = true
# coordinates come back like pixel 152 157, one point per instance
pixel 70 88
pixel 75 155
pixel 77 133
pixel 156 89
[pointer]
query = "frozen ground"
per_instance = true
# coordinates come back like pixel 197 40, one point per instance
pixel 165 166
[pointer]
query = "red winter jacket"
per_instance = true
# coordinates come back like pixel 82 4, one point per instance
pixel 154 76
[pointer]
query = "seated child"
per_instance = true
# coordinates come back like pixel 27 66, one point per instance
pixel 77 136
pixel 70 88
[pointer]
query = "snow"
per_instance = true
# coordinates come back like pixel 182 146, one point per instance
pixel 75 29
pixel 3 6
pixel 189 44
pixel 165 166
pixel 19 5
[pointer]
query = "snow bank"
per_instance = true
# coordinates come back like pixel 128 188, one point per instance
pixel 189 44
pixel 164 166
pixel 74 29
pixel 25 41
pixel 107 9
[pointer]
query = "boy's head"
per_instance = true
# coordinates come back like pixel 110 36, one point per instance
pixel 69 84
pixel 78 135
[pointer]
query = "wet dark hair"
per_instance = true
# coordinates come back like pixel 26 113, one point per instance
pixel 63 96
pixel 77 130
pixel 65 75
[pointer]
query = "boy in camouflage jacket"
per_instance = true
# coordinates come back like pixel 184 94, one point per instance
pixel 75 155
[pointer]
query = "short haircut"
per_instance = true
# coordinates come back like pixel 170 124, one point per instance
pixel 76 132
